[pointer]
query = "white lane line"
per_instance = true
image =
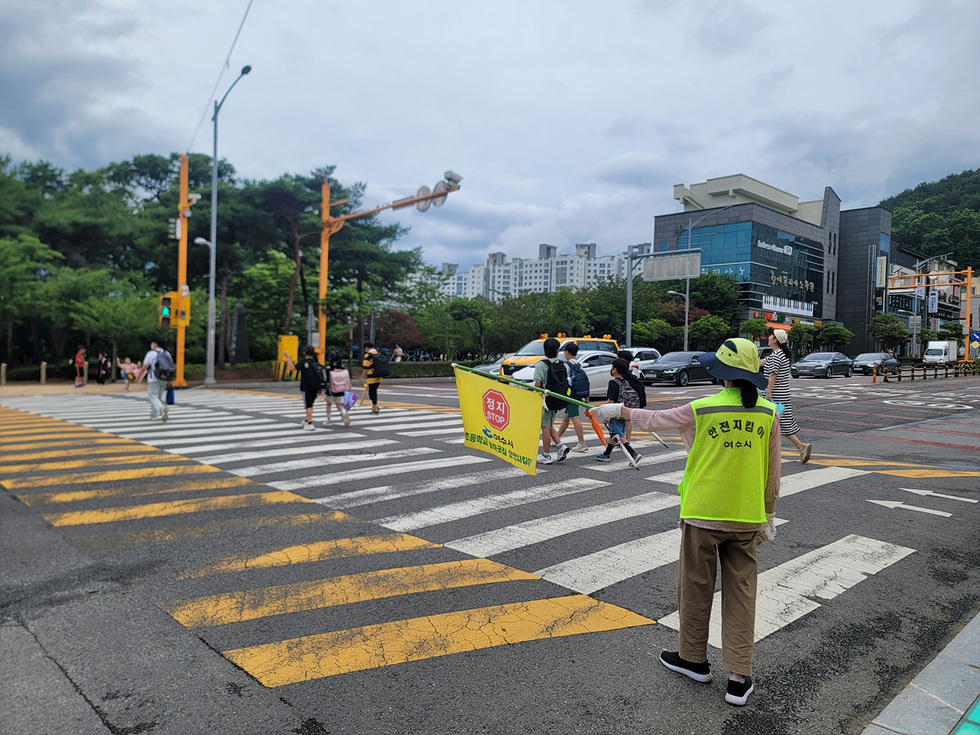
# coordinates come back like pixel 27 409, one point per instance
pixel 434 432
pixel 486 504
pixel 268 433
pixel 323 462
pixel 220 459
pixel 668 478
pixel 592 572
pixel 543 529
pixel 285 438
pixel 800 481
pixel 390 492
pixel 784 592
pixel 425 421
pixel 596 571
pixel 203 432
pixel 370 473
pixel 645 461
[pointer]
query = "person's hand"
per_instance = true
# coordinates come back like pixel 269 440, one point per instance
pixel 768 530
pixel 608 411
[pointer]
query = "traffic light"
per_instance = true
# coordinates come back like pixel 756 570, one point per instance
pixel 182 310
pixel 174 228
pixel 165 310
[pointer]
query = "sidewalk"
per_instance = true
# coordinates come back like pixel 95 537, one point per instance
pixel 943 699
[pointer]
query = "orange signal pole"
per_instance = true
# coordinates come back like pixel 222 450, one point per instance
pixel 183 206
pixel 332 225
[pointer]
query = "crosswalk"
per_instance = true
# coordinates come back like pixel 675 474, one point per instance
pixel 391 510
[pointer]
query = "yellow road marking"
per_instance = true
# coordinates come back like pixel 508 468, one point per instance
pixel 341 548
pixel 61 433
pixel 242 605
pixel 923 473
pixel 73 429
pixel 286 518
pixel 212 483
pixel 372 646
pixel 174 507
pixel 98 462
pixel 115 475
pixel 87 451
pixel 836 462
pixel 100 441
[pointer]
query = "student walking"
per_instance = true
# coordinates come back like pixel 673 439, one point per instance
pixel 156 386
pixel 338 383
pixel 104 368
pixel 128 371
pixel 728 497
pixel 550 373
pixel 776 369
pixel 578 381
pixel 622 389
pixel 375 369
pixel 311 380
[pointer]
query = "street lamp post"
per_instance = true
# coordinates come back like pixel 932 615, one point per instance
pixel 213 243
pixel 687 308
pixel 633 253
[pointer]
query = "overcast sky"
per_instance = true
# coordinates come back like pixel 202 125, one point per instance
pixel 570 120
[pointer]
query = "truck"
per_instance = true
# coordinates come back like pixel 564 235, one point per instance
pixel 941 352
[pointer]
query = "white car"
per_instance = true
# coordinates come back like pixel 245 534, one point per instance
pixel 596 364
pixel 641 356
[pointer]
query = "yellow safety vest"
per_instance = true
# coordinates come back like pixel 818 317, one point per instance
pixel 728 466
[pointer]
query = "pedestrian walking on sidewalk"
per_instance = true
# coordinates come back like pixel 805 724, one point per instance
pixel 80 359
pixel 311 381
pixel 728 497
pixel 776 369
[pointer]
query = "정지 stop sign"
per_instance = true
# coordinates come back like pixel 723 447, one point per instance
pixel 496 410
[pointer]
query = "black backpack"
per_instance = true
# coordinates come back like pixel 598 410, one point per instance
pixel 557 382
pixel 379 366
pixel 312 375
pixel 164 368
pixel 579 382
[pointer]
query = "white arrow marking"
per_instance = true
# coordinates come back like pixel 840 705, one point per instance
pixel 938 495
pixel 898 504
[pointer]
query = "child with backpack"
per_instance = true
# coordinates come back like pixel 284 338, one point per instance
pixel 550 373
pixel 311 381
pixel 626 389
pixel 375 370
pixel 578 381
pixel 338 383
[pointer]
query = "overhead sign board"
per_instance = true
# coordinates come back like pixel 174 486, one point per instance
pixel 672 266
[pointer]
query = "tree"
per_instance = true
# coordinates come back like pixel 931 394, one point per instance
pixel 568 314
pixel 658 334
pixel 834 334
pixel 889 331
pixel 718 294
pixel 802 336
pixel 117 317
pixel 475 313
pixel 754 328
pixel 708 331
pixel 951 330
pixel 25 262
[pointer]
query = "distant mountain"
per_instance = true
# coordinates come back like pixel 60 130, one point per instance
pixel 940 217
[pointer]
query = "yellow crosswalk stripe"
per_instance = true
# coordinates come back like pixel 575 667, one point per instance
pixel 132 448
pixel 99 462
pixel 99 440
pixel 924 473
pixel 63 426
pixel 341 548
pixel 74 496
pixel 234 607
pixel 48 434
pixel 113 476
pixel 175 507
pixel 385 644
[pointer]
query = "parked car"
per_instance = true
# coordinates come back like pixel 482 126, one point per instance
pixel 823 365
pixel 764 351
pixel 679 368
pixel 595 363
pixel 641 355
pixel 494 367
pixel 533 352
pixel 867 362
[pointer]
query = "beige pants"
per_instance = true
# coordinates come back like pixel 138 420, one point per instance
pixel 701 550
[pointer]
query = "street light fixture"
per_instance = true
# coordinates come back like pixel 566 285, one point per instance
pixel 213 243
pixel 687 309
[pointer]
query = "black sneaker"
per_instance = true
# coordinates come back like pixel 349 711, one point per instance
pixel 739 691
pixel 698 672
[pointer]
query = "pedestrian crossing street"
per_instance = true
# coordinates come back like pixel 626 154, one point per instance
pixel 544 556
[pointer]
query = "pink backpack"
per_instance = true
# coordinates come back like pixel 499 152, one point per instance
pixel 339 381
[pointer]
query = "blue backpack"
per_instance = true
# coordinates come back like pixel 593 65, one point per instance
pixel 579 381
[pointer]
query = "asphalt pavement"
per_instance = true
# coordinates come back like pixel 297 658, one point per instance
pixel 68 599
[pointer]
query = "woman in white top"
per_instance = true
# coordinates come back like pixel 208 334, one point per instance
pixel 776 369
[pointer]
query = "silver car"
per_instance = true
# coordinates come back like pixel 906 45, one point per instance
pixel 596 364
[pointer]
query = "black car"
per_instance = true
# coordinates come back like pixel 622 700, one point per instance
pixel 679 368
pixel 823 365
pixel 867 362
